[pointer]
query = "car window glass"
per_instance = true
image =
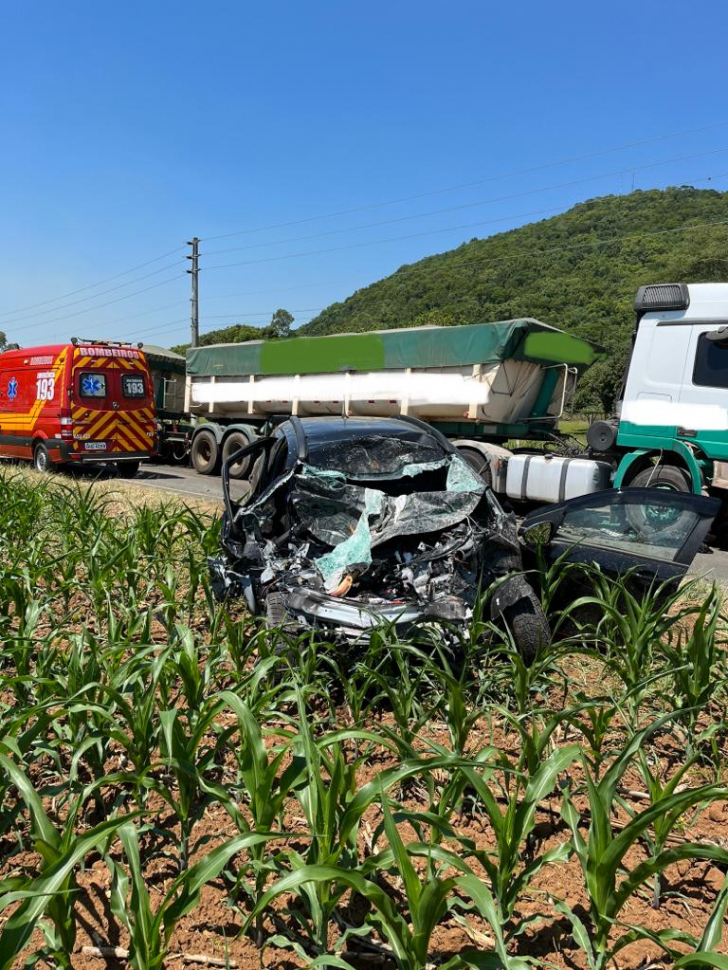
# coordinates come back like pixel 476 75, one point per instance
pixel 711 363
pixel 92 385
pixel 371 456
pixel 642 528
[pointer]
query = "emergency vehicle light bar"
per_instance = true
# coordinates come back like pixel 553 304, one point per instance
pixel 104 343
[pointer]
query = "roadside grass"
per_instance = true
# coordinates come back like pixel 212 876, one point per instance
pixel 170 783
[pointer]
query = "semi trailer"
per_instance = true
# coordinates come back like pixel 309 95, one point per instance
pixel 481 385
pixel 174 430
pixel 487 384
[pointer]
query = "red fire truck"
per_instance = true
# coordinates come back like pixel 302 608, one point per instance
pixel 86 401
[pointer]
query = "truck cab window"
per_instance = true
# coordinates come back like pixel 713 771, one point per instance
pixel 92 385
pixel 711 363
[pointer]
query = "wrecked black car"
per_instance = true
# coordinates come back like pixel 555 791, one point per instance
pixel 354 522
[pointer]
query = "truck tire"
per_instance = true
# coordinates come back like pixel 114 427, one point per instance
pixel 670 478
pixel 234 442
pixel 529 628
pixel 41 459
pixel 127 469
pixel 205 453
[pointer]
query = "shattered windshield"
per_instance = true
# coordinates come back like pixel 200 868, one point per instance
pixel 373 456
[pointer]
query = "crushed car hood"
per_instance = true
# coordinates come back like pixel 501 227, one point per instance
pixel 353 519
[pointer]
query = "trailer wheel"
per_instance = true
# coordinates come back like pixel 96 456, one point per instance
pixel 41 459
pixel 234 442
pixel 205 453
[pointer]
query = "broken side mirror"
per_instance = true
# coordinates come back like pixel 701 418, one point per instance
pixel 538 535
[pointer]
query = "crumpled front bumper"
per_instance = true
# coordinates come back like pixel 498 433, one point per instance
pixel 353 617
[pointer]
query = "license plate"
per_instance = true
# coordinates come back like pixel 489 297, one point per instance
pixel 95 446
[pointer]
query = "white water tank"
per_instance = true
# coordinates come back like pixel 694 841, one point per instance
pixel 550 478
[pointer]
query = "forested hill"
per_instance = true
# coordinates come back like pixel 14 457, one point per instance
pixel 579 270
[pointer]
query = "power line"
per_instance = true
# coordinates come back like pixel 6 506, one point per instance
pixel 78 313
pixel 466 185
pixel 416 235
pixel 95 296
pixel 471 205
pixel 92 286
pixel 529 254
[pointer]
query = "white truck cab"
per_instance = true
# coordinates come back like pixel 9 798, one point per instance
pixel 672 425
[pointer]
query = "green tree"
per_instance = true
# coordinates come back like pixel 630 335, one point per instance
pixel 279 326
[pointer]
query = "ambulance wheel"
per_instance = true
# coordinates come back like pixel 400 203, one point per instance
pixel 205 453
pixel 127 469
pixel 41 459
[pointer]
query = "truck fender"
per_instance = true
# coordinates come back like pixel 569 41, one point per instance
pixel 633 461
pixel 217 430
pixel 248 430
pixel 489 460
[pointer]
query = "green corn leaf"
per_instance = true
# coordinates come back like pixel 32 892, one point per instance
pixel 35 899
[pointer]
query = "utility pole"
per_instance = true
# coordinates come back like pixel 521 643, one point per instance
pixel 195 317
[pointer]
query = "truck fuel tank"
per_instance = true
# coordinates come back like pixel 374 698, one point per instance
pixel 550 478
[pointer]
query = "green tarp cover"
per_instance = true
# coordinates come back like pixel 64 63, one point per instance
pixel 478 343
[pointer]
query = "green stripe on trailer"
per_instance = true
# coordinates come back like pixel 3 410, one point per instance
pixel 558 348
pixel 417 348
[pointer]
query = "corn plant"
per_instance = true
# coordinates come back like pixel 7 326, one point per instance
pixel 602 853
pixel 53 893
pixel 509 868
pixel 150 927
pixel 691 659
pixel 189 758
pixel 266 782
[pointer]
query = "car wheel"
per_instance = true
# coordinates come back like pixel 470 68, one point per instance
pixel 529 627
pixel 42 460
pixel 205 453
pixel 127 469
pixel 234 442
pixel 276 614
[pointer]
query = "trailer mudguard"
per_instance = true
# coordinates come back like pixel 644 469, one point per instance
pixel 216 430
pixel 634 457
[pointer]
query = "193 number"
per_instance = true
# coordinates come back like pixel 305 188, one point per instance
pixel 45 388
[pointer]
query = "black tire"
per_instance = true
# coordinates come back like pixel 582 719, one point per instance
pixel 127 469
pixel 276 615
pixel 478 462
pixel 205 453
pixel 234 442
pixel 666 478
pixel 529 627
pixel 42 460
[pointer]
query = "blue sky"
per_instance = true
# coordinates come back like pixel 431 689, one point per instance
pixel 129 128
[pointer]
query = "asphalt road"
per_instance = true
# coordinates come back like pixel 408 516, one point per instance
pixel 185 481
